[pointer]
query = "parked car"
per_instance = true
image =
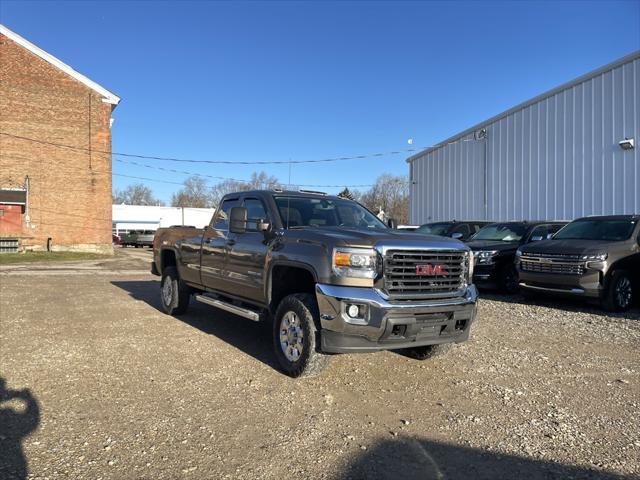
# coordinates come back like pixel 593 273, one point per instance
pixel 144 238
pixel 494 249
pixel 116 239
pixel 460 230
pixel 592 257
pixel 138 238
pixel 129 238
pixel 327 274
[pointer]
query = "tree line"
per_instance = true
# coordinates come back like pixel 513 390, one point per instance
pixel 389 195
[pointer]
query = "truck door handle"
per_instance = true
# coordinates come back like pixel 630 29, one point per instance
pixel 231 242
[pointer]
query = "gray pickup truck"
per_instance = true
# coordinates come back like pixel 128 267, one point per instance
pixel 328 275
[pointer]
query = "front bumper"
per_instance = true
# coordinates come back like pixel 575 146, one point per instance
pixel 485 275
pixel 587 285
pixel 391 325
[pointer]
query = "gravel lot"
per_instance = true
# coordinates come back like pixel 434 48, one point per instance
pixel 101 385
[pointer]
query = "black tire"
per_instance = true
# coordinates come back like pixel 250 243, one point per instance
pixel 509 279
pixel 174 300
pixel 310 361
pixel 426 352
pixel 619 294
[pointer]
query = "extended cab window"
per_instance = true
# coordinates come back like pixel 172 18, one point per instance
pixel 222 218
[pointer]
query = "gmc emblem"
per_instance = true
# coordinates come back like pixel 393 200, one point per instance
pixel 431 270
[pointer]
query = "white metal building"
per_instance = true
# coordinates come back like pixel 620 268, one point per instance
pixel 557 156
pixel 139 217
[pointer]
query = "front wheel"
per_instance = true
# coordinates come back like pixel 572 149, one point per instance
pixel 295 337
pixel 619 294
pixel 174 293
pixel 510 280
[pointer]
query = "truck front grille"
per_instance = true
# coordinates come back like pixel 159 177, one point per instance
pixel 560 264
pixel 416 274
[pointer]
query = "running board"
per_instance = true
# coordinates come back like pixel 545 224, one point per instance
pixel 243 312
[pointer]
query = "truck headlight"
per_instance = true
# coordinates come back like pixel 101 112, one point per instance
pixel 485 257
pixel 595 262
pixel 601 257
pixel 355 262
pixel 470 262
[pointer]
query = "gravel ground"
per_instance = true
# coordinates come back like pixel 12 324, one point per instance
pixel 101 385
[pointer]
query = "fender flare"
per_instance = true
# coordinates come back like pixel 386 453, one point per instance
pixel 285 263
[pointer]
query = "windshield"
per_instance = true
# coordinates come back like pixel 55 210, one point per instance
pixel 594 229
pixel 297 212
pixel 435 228
pixel 502 232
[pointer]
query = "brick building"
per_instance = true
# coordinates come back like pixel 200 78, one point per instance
pixel 55 139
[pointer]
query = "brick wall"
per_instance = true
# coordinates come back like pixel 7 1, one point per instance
pixel 70 190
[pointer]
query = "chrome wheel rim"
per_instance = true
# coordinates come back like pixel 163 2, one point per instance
pixel 623 292
pixel 167 291
pixel 291 336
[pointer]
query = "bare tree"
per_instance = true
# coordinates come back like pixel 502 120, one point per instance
pixel 195 193
pixel 137 194
pixel 258 181
pixel 389 194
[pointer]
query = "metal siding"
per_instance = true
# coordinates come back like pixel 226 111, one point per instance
pixel 557 158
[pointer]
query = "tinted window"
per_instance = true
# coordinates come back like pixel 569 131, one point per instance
pixel 597 229
pixel 503 232
pixel 441 228
pixel 255 212
pixel 543 231
pixel 463 228
pixel 222 218
pixel 325 212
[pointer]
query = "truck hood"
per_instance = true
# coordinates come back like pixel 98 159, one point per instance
pixel 570 247
pixel 502 247
pixel 347 237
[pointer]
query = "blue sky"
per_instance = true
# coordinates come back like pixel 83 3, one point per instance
pixel 306 80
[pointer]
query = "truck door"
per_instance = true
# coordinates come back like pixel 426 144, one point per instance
pixel 247 253
pixel 215 244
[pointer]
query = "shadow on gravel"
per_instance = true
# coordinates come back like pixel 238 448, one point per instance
pixel 19 416
pixel 422 459
pixel 250 337
pixel 560 303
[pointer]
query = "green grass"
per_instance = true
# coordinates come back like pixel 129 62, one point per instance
pixel 6 258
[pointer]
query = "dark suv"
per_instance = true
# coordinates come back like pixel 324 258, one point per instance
pixel 459 230
pixel 593 257
pixel 494 248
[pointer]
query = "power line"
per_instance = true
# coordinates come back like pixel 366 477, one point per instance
pixel 230 162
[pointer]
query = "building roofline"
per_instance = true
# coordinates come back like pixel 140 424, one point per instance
pixel 109 97
pixel 583 78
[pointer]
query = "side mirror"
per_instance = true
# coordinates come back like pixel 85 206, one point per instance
pixel 238 220
pixel 537 238
pixel 391 223
pixel 263 226
pixel 549 236
pixel 457 235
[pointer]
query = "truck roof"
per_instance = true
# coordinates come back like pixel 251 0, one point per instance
pixel 296 193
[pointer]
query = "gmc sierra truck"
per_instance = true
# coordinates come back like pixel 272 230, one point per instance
pixel 326 272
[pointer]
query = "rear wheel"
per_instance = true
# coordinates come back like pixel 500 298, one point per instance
pixel 426 352
pixel 174 293
pixel 619 294
pixel 295 336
